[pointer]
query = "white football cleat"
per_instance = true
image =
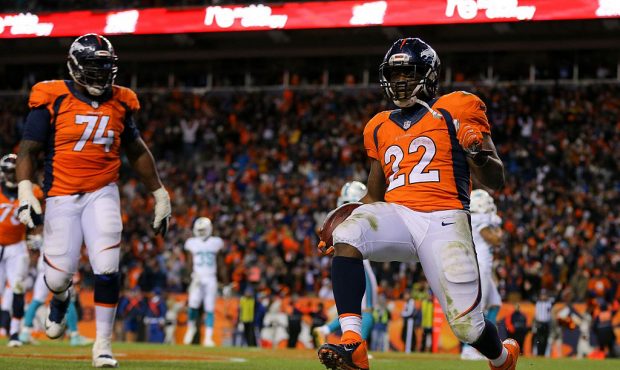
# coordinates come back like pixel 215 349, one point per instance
pixel 189 334
pixel 470 353
pixel 14 341
pixel 55 330
pixel 26 336
pixel 102 354
pixel 208 342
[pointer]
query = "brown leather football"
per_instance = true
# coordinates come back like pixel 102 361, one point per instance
pixel 335 218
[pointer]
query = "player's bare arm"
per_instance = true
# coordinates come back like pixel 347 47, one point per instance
pixel 492 235
pixel 486 166
pixel 376 183
pixel 143 163
pixel 28 151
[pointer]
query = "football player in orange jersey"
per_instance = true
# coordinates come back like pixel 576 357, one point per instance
pixel 423 156
pixel 81 125
pixel 14 258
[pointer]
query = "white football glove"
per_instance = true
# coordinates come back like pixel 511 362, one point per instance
pixel 163 211
pixel 28 203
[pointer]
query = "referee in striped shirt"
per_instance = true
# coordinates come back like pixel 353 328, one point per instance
pixel 542 321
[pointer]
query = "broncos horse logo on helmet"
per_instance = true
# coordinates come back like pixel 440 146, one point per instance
pixel 410 72
pixel 92 63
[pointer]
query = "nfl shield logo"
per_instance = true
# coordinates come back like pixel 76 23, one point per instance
pixel 407 124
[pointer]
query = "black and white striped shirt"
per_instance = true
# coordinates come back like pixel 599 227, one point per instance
pixel 543 311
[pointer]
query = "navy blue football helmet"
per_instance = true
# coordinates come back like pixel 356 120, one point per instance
pixel 92 63
pixel 7 170
pixel 410 71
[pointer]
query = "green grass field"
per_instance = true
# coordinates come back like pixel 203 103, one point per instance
pixel 144 356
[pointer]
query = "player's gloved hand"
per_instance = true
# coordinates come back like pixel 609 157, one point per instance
pixel 163 210
pixel 34 242
pixel 28 203
pixel 470 138
pixel 324 250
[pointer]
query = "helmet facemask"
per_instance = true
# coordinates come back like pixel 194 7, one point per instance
pixel 405 84
pixel 95 74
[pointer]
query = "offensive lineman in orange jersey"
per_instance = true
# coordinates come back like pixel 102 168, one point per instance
pixel 417 207
pixel 81 126
pixel 14 257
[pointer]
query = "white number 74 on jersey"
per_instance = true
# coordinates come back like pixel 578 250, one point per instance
pixel 91 122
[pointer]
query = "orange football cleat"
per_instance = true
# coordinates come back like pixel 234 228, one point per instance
pixel 513 349
pixel 350 354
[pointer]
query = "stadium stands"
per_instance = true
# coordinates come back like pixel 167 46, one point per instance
pixel 254 163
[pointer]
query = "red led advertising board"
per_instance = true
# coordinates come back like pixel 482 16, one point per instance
pixel 309 15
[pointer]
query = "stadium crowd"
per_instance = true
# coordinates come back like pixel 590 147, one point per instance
pixel 266 167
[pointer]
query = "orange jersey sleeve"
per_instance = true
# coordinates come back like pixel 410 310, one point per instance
pixel 468 108
pixel 43 94
pixel 371 143
pixel 128 97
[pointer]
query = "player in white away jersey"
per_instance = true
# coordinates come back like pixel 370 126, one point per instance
pixel 487 234
pixel 203 249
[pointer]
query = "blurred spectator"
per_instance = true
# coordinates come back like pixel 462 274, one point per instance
pixel 130 312
pixel 427 309
pixel 275 324
pixel 247 305
pixel 381 316
pixel 516 326
pixel 294 323
pixel 152 277
pixel 604 330
pixel 155 318
pixel 319 318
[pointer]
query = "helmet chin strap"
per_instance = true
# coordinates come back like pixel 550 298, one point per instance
pixel 414 100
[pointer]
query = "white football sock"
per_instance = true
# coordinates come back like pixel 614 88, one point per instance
pixel 351 323
pixel 104 321
pixel 501 359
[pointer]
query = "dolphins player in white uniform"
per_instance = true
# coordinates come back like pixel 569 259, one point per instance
pixel 352 192
pixel 203 289
pixel 487 234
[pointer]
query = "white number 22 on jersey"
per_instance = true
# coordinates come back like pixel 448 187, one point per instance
pixel 91 122
pixel 417 173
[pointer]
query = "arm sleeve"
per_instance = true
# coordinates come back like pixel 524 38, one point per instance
pixel 37 125
pixel 39 96
pixel 131 132
pixel 220 244
pixel 473 112
pixel 371 138
pixel 130 102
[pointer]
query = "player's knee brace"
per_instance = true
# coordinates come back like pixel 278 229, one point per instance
pixel 18 305
pixel 107 288
pixel 57 283
pixel 469 327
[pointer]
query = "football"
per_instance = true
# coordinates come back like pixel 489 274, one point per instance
pixel 333 219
